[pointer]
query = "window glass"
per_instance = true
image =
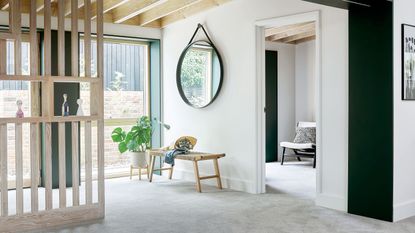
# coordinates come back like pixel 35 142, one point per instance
pixel 125 93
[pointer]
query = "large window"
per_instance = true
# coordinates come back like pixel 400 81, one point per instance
pixel 126 95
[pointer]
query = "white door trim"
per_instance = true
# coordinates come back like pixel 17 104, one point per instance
pixel 260 27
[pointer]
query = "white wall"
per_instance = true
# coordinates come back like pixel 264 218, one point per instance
pixel 229 124
pixel 305 82
pixel 404 123
pixel 286 90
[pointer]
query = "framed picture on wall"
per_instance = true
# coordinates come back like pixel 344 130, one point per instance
pixel 408 62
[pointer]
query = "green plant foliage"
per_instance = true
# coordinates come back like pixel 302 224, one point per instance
pixel 194 68
pixel 138 139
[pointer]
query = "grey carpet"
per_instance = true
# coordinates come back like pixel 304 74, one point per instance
pixel 174 206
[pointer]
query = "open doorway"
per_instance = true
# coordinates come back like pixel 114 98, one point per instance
pixel 290 125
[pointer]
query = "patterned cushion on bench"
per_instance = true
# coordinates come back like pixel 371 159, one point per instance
pixel 305 135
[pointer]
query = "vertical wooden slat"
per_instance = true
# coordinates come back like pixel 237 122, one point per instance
pixel 75 163
pixel 15 25
pixel 47 87
pixel 48 167
pixel 34 166
pixel 61 37
pixel 62 165
pixel 19 168
pixel 75 125
pixel 3 171
pixel 3 57
pixel 99 95
pixel 47 37
pixel 34 63
pixel 35 110
pixel 74 38
pixel 87 37
pixel 34 51
pixel 88 163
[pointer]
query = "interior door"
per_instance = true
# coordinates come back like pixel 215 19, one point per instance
pixel 271 109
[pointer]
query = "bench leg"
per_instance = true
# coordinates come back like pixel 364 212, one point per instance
pixel 152 162
pixel 314 163
pixel 197 177
pixel 131 172
pixel 283 155
pixel 171 172
pixel 217 173
pixel 139 173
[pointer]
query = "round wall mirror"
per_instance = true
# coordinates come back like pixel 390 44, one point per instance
pixel 199 74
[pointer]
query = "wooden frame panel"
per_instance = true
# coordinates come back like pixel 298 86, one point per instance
pixel 19 168
pixel 62 165
pixel 64 215
pixel 3 171
pixel 34 165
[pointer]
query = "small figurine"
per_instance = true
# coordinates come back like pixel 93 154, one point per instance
pixel 19 113
pixel 80 111
pixel 65 105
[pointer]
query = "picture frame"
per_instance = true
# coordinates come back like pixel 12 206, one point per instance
pixel 408 62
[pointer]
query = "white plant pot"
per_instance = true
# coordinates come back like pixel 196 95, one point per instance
pixel 138 159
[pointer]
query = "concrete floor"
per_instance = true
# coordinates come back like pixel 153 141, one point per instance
pixel 174 206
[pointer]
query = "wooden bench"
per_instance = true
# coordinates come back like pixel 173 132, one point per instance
pixel 195 157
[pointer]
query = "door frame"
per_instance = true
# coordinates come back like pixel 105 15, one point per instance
pixel 260 27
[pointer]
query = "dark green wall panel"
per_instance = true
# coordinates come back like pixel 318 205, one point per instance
pixel 271 128
pixel 370 168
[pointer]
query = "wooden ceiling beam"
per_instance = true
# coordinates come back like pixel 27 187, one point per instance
pixel 163 10
pixel 307 39
pixel 134 8
pixel 282 29
pixel 108 6
pixel 68 6
pixel 149 13
pixel 40 4
pixel 4 4
pixel 300 36
pixel 191 10
pixel 290 30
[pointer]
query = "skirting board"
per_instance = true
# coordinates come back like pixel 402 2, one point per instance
pixel 331 202
pixel 403 210
pixel 234 184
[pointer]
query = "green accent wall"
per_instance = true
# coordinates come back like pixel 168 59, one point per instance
pixel 271 128
pixel 370 168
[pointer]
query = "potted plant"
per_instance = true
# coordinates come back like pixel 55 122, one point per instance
pixel 136 141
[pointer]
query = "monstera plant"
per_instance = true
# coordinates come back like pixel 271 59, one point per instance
pixel 136 141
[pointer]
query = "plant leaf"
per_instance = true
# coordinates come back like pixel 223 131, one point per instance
pixel 118 135
pixel 122 147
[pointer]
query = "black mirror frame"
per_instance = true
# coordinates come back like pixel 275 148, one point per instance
pixel 178 73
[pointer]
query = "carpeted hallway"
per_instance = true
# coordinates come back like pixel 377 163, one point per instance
pixel 174 206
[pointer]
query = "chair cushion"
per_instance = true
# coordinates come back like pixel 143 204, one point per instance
pixel 297 146
pixel 305 135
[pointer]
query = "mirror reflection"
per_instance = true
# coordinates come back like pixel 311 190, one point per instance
pixel 199 74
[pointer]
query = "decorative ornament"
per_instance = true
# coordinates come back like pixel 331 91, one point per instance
pixel 65 105
pixel 19 113
pixel 80 111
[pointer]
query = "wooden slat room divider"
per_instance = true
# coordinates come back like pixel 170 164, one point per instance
pixel 65 212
